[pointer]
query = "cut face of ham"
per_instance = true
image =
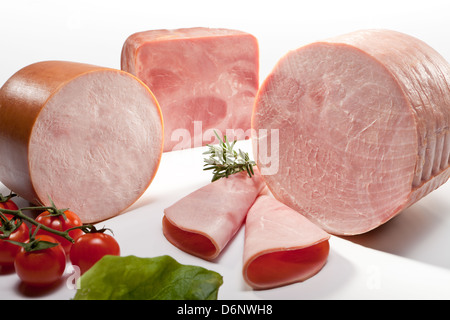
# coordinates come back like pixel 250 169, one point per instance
pixel 204 80
pixel 88 137
pixel 281 246
pixel 363 123
pixel 203 222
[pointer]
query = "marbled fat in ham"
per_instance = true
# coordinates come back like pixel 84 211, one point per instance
pixel 204 79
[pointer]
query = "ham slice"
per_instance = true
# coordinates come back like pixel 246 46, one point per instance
pixel 203 222
pixel 204 79
pixel 281 246
pixel 88 137
pixel 363 124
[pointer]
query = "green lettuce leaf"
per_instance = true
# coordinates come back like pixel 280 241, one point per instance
pixel 158 278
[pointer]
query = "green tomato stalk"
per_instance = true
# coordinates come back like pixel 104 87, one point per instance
pixel 9 226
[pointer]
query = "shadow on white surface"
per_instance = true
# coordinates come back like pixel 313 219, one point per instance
pixel 326 284
pixel 421 232
pixel 31 292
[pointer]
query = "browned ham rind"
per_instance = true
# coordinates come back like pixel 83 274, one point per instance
pixel 363 123
pixel 90 138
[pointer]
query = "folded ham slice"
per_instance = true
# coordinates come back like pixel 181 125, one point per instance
pixel 363 124
pixel 281 246
pixel 203 222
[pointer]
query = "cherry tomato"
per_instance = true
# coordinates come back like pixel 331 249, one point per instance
pixel 91 247
pixel 41 267
pixel 8 251
pixel 60 224
pixel 9 204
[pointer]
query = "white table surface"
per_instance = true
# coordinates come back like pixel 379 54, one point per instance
pixel 407 258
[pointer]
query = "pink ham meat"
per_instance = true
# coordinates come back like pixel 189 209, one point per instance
pixel 281 246
pixel 88 137
pixel 204 80
pixel 203 222
pixel 363 127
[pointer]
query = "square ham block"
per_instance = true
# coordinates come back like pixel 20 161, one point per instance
pixel 204 80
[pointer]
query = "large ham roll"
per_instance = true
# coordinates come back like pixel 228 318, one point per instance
pixel 363 126
pixel 205 79
pixel 281 246
pixel 203 222
pixel 90 138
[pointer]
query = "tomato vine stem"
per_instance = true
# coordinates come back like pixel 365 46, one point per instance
pixel 19 214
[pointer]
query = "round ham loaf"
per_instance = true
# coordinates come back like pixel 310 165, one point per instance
pixel 90 138
pixel 361 126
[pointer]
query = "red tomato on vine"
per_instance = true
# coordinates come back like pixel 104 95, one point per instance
pixel 10 229
pixel 8 251
pixel 60 221
pixel 7 203
pixel 38 265
pixel 91 247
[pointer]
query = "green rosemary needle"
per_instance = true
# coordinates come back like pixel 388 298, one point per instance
pixel 224 161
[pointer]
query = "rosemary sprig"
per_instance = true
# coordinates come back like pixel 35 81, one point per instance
pixel 224 161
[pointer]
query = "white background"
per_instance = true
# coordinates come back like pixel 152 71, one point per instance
pixel 406 258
